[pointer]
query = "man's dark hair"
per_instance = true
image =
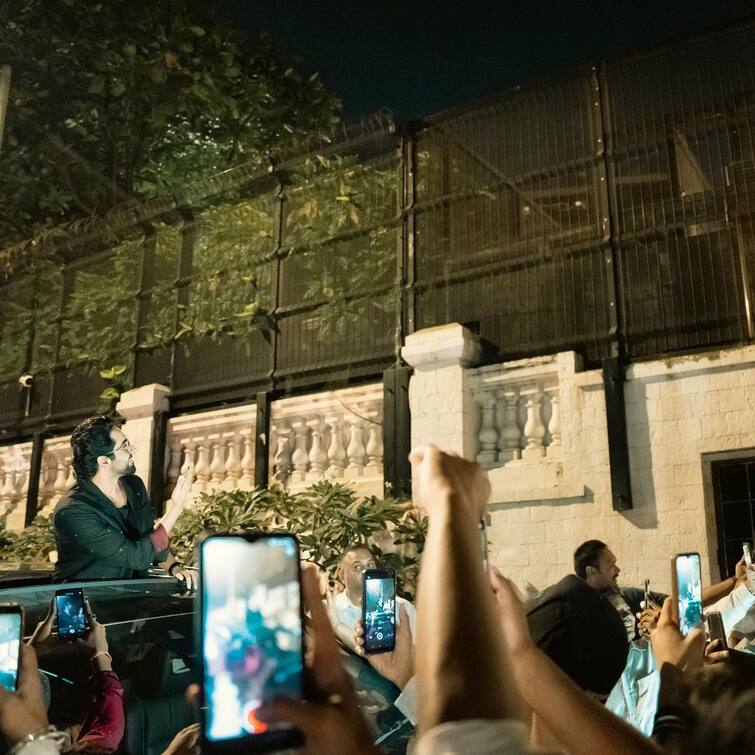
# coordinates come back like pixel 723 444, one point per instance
pixel 353 549
pixel 587 555
pixel 90 440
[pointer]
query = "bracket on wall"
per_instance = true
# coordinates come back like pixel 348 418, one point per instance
pixel 618 445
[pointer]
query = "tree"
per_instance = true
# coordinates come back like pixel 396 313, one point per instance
pixel 125 98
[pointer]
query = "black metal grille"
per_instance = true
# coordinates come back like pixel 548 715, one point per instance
pixel 679 128
pixel 610 211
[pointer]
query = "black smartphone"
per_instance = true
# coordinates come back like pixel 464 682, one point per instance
pixel 252 644
pixel 687 588
pixel 11 635
pixel 379 610
pixel 72 616
pixel 716 630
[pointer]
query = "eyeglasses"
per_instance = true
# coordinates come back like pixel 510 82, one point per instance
pixel 125 446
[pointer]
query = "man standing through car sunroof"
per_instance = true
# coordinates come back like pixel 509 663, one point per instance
pixel 104 525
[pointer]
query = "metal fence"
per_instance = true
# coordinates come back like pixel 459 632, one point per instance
pixel 609 211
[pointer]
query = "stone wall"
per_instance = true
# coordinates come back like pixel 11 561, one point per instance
pixel 682 413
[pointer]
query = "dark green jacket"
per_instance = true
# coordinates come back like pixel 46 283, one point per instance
pixel 93 539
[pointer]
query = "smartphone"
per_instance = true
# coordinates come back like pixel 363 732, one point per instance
pixel 11 635
pixel 687 588
pixel 251 637
pixel 747 553
pixel 483 529
pixel 72 616
pixel 716 630
pixel 379 610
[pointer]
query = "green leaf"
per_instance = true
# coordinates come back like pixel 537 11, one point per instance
pixel 96 85
pixel 197 30
pixel 110 394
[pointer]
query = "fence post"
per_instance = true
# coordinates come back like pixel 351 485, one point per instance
pixel 397 472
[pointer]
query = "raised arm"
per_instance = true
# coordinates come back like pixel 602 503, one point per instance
pixel 580 724
pixel 463 669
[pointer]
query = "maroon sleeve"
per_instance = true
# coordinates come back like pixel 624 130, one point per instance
pixel 160 539
pixel 105 723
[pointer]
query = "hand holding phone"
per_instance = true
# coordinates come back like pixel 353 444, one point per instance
pixel 73 617
pixel 687 590
pixel 251 639
pixel 747 553
pixel 379 610
pixel 715 629
pixel 11 635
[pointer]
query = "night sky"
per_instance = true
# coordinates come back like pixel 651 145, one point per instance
pixel 417 58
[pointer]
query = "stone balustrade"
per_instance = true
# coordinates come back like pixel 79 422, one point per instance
pixel 14 484
pixel 518 405
pixel 336 435
pixel 220 443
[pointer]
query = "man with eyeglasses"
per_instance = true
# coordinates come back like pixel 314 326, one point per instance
pixel 104 525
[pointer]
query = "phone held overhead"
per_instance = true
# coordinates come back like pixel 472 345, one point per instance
pixel 251 639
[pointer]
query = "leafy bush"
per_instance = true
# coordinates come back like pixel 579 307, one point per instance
pixel 327 518
pixel 31 544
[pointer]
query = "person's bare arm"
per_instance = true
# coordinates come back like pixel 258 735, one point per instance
pixel 580 724
pixel 714 593
pixel 462 667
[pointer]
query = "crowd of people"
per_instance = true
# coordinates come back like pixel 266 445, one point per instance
pixel 588 666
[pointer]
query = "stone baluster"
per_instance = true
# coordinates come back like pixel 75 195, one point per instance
pixel 202 467
pixel 554 425
pixel 232 465
pixel 318 459
pixel 510 435
pixel 174 467
pixel 217 466
pixel 71 477
pixel 282 459
pixel 247 463
pixel 534 430
pixel 355 451
pixel 375 446
pixel 61 476
pixel 488 435
pixel 9 484
pixel 300 457
pixel 46 479
pixel 336 451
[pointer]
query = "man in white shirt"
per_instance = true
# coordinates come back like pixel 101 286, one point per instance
pixel 345 610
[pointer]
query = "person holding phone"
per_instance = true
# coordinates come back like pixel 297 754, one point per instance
pixel 104 724
pixel 104 525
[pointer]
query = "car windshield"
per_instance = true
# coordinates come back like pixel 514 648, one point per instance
pixel 151 633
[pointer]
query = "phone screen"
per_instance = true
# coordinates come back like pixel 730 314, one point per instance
pixel 252 645
pixel 72 620
pixel 10 645
pixel 379 610
pixel 689 588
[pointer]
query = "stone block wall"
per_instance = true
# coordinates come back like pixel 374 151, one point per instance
pixel 682 413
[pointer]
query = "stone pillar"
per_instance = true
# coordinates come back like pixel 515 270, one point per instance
pixel 138 408
pixel 440 395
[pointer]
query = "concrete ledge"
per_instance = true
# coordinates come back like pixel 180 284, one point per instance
pixel 570 490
